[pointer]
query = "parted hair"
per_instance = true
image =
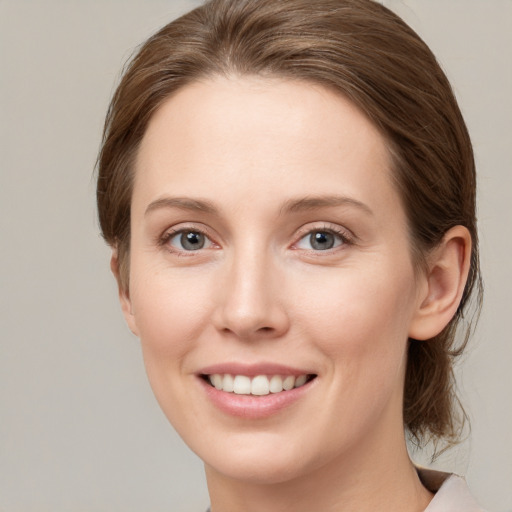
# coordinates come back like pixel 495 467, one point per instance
pixel 369 55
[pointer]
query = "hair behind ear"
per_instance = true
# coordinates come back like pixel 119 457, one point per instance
pixel 429 395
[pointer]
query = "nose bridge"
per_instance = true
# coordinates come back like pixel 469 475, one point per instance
pixel 251 304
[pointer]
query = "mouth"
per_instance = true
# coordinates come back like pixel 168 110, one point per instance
pixel 259 385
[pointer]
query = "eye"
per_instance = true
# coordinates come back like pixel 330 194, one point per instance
pixel 189 240
pixel 321 240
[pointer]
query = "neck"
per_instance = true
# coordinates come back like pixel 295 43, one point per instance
pixel 382 478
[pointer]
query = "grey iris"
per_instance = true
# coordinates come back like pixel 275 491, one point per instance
pixel 321 240
pixel 192 240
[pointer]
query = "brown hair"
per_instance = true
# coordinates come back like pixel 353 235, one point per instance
pixel 365 52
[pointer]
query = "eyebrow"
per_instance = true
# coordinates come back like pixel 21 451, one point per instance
pixel 290 206
pixel 314 202
pixel 182 203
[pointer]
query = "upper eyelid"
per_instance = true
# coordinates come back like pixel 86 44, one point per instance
pixel 324 226
pixel 187 226
pixel 172 231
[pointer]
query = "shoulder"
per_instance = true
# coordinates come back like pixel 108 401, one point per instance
pixel 451 492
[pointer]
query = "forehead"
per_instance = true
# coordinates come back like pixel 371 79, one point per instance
pixel 268 136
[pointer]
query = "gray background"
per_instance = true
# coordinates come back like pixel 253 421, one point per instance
pixel 79 428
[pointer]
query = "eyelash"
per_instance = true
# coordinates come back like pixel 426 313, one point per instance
pixel 344 236
pixel 164 240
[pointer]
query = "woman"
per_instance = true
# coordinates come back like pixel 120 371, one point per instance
pixel 289 191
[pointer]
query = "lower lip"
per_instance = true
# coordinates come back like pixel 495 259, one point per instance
pixel 254 407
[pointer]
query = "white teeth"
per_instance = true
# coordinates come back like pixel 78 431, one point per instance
pixel 300 381
pixel 242 385
pixel 260 385
pixel 216 380
pixel 288 382
pixel 228 383
pixel 276 384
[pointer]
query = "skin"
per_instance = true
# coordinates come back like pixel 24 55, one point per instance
pixel 258 291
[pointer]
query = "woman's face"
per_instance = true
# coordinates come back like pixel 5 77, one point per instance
pixel 268 241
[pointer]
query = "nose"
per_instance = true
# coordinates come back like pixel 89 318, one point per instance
pixel 251 303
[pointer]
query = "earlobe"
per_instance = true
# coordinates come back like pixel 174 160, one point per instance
pixel 124 293
pixel 446 275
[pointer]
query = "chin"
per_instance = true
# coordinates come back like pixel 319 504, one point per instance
pixel 259 461
pixel 267 470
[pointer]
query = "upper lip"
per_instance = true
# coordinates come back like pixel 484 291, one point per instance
pixel 251 370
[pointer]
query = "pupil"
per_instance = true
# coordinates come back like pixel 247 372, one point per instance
pixel 192 241
pixel 322 240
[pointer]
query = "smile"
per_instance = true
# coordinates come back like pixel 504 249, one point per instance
pixel 259 385
pixel 255 391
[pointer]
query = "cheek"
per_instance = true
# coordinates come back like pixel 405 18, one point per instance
pixel 353 301
pixel 360 321
pixel 359 324
pixel 170 310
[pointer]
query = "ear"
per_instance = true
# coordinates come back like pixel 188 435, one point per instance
pixel 444 280
pixel 124 293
